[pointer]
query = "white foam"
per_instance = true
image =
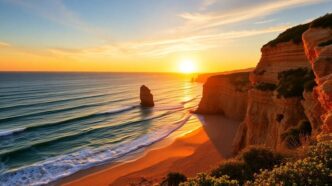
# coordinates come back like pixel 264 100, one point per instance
pixel 10 131
pixel 58 167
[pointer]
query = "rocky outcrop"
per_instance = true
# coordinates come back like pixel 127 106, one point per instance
pixel 320 58
pixel 268 115
pixel 226 95
pixel 276 59
pixel 146 97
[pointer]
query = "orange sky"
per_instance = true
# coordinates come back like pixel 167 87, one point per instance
pixel 143 37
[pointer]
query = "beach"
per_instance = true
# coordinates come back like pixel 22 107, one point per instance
pixel 195 152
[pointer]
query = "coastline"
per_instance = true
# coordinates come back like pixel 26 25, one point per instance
pixel 184 151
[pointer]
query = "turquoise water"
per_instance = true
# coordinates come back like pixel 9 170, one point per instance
pixel 55 124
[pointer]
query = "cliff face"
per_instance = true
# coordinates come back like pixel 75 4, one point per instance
pixel 320 58
pixel 276 59
pixel 225 94
pixel 290 91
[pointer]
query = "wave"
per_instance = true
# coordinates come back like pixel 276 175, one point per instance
pixel 58 167
pixel 77 135
pixel 168 107
pixel 10 131
pixel 189 100
pixel 118 110
pixel 109 112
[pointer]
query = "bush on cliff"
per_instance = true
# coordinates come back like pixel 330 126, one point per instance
pixel 329 42
pixel 314 169
pixel 173 179
pixel 293 82
pixel 292 137
pixel 257 158
pixel 203 179
pixel 265 86
pixel 323 22
pixel 293 34
pixel 247 163
pixel 235 169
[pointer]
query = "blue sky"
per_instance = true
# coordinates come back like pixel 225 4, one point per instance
pixel 149 29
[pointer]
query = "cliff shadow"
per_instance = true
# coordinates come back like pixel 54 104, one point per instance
pixel 221 131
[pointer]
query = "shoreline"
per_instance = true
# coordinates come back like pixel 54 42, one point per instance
pixel 180 153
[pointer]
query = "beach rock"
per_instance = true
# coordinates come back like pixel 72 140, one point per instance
pixel 146 97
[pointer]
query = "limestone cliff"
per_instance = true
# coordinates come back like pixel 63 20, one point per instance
pixel 289 93
pixel 272 112
pixel 320 57
pixel 225 94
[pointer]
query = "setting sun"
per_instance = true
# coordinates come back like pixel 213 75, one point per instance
pixel 187 66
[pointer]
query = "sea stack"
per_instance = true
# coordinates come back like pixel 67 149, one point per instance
pixel 146 97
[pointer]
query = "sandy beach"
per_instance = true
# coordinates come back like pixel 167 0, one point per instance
pixel 197 151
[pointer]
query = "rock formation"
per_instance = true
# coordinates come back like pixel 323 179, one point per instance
pixel 146 97
pixel 225 94
pixel 291 85
pixel 320 57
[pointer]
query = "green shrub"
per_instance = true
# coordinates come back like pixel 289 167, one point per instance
pixel 305 128
pixel 265 86
pixel 322 152
pixel 292 136
pixel 293 82
pixel 203 179
pixel 235 169
pixel 323 22
pixel 329 42
pixel 314 169
pixel 173 179
pixel 293 34
pixel 257 158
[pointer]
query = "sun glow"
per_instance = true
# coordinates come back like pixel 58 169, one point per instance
pixel 187 66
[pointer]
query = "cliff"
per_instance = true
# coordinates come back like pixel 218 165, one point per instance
pixel 226 95
pixel 277 117
pixel 289 93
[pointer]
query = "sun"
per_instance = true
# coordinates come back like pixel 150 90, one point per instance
pixel 187 66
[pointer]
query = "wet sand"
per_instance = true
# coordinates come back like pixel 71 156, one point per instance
pixel 198 151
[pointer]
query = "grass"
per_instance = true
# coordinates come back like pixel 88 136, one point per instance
pixel 293 82
pixel 293 34
pixel 329 42
pixel 322 22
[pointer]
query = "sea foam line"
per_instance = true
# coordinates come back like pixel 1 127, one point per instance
pixel 61 166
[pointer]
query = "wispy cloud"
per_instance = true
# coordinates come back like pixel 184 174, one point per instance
pixel 161 47
pixel 215 19
pixel 264 21
pixel 4 44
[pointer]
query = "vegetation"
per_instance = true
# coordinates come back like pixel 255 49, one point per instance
pixel 173 179
pixel 240 81
pixel 292 136
pixel 203 179
pixel 265 86
pixel 293 82
pixel 329 42
pixel 315 169
pixel 293 34
pixel 322 22
pixel 235 169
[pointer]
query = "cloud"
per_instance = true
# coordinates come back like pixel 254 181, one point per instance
pixel 199 21
pixel 161 47
pixel 4 44
pixel 264 21
pixel 207 3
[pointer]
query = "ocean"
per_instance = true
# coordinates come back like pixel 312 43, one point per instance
pixel 55 124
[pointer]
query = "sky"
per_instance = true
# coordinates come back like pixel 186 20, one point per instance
pixel 144 35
